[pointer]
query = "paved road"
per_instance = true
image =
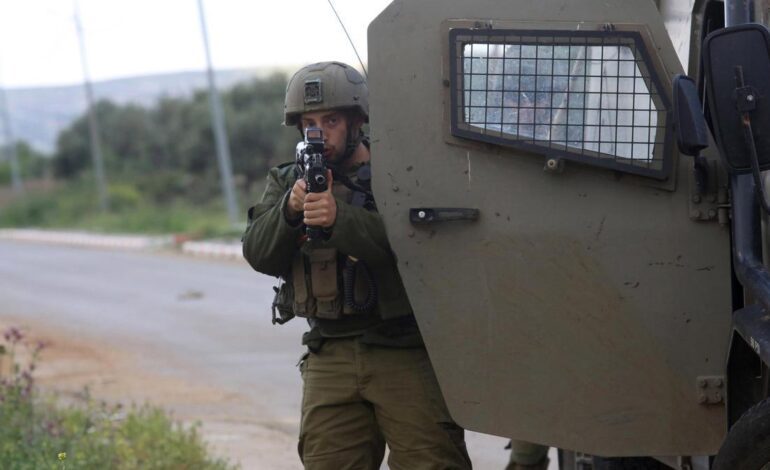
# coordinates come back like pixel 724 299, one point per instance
pixel 197 324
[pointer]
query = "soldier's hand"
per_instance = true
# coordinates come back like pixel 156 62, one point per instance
pixel 321 208
pixel 296 199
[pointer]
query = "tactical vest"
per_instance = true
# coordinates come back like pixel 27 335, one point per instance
pixel 324 283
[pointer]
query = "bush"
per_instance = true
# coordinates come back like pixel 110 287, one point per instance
pixel 124 197
pixel 51 208
pixel 133 209
pixel 38 433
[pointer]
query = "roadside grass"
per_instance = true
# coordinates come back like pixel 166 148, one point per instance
pixel 39 431
pixel 134 208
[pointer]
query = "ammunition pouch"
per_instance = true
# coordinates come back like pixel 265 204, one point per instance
pixel 318 287
pixel 316 280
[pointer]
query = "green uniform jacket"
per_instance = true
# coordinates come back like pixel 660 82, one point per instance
pixel 270 243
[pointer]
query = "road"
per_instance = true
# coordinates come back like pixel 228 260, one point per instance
pixel 189 334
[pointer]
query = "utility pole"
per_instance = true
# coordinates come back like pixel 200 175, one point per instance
pixel 10 145
pixel 93 124
pixel 220 138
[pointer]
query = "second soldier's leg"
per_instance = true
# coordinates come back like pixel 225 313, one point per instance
pixel 338 429
pixel 527 456
pixel 411 411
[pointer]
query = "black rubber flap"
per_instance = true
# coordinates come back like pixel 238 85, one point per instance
pixel 691 133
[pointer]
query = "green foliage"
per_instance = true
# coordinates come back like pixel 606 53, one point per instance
pixel 55 209
pixel 175 138
pixel 164 186
pixel 257 138
pixel 32 164
pixel 124 197
pixel 161 165
pixel 199 222
pixel 134 208
pixel 5 173
pixel 38 433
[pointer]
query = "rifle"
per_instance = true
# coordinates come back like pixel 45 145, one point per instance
pixel 311 166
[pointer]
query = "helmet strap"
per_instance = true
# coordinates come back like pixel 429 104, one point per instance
pixel 352 142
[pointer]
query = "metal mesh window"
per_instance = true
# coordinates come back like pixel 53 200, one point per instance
pixel 586 96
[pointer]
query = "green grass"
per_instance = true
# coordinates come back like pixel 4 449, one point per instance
pixel 38 432
pixel 134 208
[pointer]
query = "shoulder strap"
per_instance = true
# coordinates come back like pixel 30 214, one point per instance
pixel 362 187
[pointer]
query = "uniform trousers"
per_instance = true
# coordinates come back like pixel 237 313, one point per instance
pixel 359 397
pixel 526 453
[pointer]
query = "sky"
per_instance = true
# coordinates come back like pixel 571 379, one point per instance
pixel 39 46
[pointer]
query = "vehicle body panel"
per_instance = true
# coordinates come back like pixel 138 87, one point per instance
pixel 581 307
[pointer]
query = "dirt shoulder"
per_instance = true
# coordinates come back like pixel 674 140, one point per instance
pixel 73 362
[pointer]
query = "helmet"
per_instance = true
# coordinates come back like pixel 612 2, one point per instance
pixel 324 86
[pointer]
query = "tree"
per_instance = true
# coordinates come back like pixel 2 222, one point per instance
pixel 173 142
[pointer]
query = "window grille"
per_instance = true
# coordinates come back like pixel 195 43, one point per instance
pixel 589 96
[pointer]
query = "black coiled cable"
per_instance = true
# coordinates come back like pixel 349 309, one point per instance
pixel 349 280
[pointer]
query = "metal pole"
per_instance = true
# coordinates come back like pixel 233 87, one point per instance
pixel 746 11
pixel 93 124
pixel 747 239
pixel 10 145
pixel 737 12
pixel 747 219
pixel 220 138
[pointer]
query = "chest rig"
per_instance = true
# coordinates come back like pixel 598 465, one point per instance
pixel 324 283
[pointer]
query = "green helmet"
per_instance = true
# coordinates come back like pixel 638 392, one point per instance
pixel 324 86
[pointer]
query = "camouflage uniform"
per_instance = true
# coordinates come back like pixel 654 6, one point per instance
pixel 527 456
pixel 367 377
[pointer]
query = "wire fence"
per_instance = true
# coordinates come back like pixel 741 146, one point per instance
pixel 584 96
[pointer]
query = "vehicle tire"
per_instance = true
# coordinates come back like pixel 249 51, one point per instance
pixel 747 445
pixel 628 463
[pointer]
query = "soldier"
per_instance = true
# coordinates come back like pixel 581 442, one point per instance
pixel 527 456
pixel 367 377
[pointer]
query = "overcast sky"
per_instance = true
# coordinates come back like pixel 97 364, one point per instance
pixel 38 42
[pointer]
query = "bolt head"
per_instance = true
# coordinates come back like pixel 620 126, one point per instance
pixel 749 97
pixel 422 214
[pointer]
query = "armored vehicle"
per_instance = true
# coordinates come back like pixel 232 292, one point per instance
pixel 580 227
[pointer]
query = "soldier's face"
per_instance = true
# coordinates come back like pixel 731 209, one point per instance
pixel 334 125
